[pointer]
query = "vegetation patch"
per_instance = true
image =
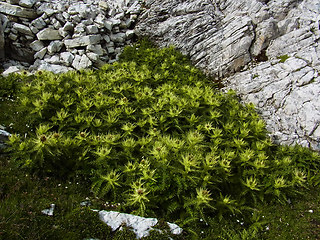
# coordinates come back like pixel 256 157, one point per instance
pixel 283 58
pixel 155 134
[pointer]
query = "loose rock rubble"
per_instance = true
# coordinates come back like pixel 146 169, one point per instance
pixel 266 50
pixel 65 35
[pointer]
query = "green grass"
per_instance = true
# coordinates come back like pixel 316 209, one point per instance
pixel 298 220
pixel 23 197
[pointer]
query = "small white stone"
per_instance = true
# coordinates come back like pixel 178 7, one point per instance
pixel 49 211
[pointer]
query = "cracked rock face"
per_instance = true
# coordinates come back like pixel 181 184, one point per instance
pixel 268 51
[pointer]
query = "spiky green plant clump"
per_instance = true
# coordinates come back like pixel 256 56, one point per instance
pixel 154 133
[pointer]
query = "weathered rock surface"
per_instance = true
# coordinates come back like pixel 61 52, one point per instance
pixel 267 50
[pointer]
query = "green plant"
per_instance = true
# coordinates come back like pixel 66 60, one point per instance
pixel 283 58
pixel 154 132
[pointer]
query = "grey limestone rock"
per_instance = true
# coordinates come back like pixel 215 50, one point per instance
pixel 104 5
pixel 67 58
pixel 27 3
pixel 23 29
pixel 11 69
pixel 93 56
pixel 92 29
pixel 37 45
pixel 217 42
pixel 97 49
pixel 67 33
pixel 17 11
pixel 68 27
pixel 82 41
pixel 55 68
pixel 39 23
pixel 55 46
pixel 118 37
pixel 49 34
pixel 52 60
pixel 81 62
pixel 41 53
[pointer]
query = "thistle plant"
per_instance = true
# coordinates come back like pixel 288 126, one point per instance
pixel 155 132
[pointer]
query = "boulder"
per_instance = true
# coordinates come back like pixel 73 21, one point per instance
pixel 39 23
pixel 217 42
pixel 97 49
